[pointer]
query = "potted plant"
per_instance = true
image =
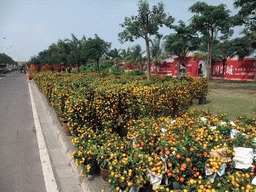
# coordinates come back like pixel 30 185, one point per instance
pixel 65 127
pixel 103 163
pixel 203 90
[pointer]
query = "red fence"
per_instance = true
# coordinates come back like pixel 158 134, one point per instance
pixel 234 70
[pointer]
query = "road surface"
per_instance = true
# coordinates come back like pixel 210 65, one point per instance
pixel 20 166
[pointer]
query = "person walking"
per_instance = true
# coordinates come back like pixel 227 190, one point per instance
pixel 200 71
pixel 183 70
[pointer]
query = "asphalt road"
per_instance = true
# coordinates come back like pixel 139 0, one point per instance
pixel 20 166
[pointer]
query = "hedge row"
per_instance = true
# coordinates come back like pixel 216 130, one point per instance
pixel 156 145
pixel 89 99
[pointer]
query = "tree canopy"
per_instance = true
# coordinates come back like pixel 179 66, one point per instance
pixel 229 48
pixel 247 13
pixel 210 20
pixel 184 40
pixel 146 23
pixel 96 48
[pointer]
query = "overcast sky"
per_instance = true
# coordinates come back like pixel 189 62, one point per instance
pixel 30 26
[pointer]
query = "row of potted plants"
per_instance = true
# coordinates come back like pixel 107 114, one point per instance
pixel 175 148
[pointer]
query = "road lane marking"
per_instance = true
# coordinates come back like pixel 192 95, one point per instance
pixel 49 179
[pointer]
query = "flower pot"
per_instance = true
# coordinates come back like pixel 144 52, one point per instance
pixel 202 100
pixel 104 173
pixel 176 185
pixel 122 131
pixel 65 128
pixel 94 168
pixel 195 101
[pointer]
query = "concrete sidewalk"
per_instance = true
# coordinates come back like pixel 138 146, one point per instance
pixel 67 175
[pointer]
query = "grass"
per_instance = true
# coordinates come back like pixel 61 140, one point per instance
pixel 249 85
pixel 234 98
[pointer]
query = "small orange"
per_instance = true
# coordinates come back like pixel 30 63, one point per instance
pixel 169 174
pixel 179 156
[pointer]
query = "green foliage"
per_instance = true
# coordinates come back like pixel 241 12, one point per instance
pixel 115 69
pixel 96 48
pixel 209 20
pixel 137 72
pixel 92 66
pixel 246 14
pixel 147 22
pixel 184 40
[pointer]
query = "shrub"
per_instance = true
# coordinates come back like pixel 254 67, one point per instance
pixel 137 72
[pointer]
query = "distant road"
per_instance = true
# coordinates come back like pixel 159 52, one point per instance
pixel 20 166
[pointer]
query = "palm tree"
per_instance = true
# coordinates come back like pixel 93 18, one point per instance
pixel 125 54
pixel 76 56
pixel 136 55
pixel 157 52
pixel 114 55
pixel 63 51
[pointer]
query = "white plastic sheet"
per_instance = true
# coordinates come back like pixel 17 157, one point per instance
pixel 233 133
pixel 254 181
pixel 134 189
pixel 203 119
pixel 155 179
pixel 243 157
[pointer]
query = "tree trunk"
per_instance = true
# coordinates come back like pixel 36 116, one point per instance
pixel 98 65
pixel 148 56
pixel 178 69
pixel 210 62
pixel 223 70
pixel 185 60
pixel 156 68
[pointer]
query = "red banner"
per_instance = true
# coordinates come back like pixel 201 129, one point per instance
pixel 235 70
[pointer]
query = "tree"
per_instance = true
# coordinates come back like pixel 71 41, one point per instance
pixel 247 13
pixel 157 51
pixel 229 48
pixel 208 20
pixel 96 48
pixel 54 56
pixel 183 41
pixel 63 51
pixel 44 57
pixel 33 60
pixel 146 23
pixel 76 55
pixel 114 54
pixel 137 56
pixel 6 59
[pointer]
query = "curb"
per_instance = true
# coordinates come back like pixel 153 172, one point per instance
pixel 65 142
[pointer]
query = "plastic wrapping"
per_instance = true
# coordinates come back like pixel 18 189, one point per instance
pixel 155 179
pixel 243 157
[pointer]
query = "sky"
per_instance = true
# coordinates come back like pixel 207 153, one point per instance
pixel 28 27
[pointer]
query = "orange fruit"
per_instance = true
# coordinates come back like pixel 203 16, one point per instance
pixel 178 156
